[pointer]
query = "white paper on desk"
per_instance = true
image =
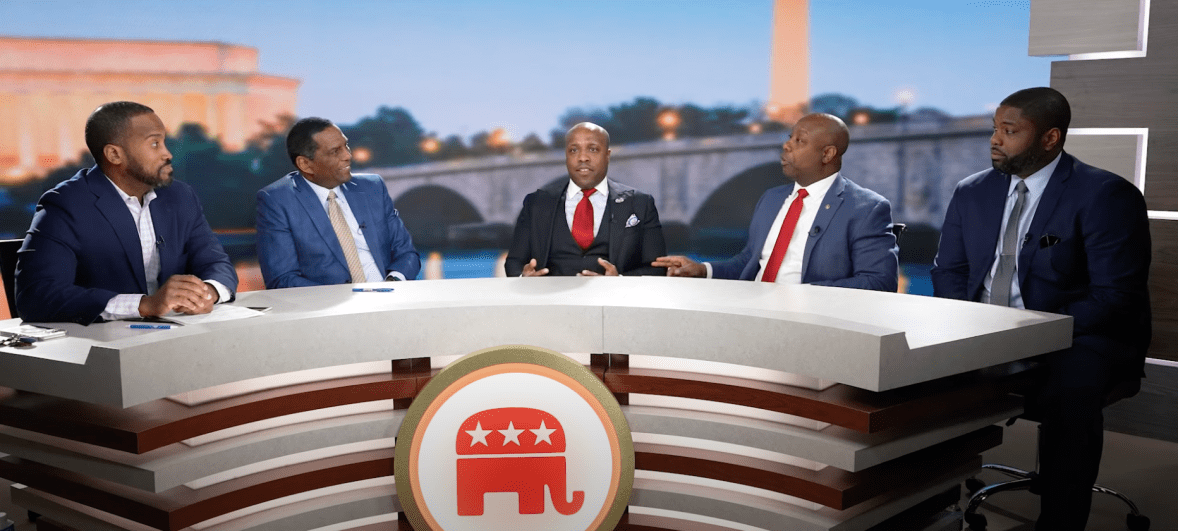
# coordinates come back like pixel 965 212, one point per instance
pixel 221 312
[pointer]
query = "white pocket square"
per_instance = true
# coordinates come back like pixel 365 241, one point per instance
pixel 632 221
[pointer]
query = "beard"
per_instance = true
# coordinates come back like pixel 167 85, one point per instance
pixel 1020 163
pixel 158 179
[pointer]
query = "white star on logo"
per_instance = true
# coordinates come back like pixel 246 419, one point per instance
pixel 511 434
pixel 478 434
pixel 543 434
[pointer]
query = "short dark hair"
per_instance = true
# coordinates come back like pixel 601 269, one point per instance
pixel 300 140
pixel 1043 106
pixel 108 123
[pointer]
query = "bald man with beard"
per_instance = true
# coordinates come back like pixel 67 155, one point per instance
pixel 821 228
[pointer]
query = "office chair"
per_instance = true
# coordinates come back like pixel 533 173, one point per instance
pixel 1027 480
pixel 898 230
pixel 8 249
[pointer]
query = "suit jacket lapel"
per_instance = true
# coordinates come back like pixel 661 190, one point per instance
pixel 545 221
pixel 164 220
pixel 619 205
pixel 318 216
pixel 765 223
pixel 1051 194
pixel 362 210
pixel 110 204
pixel 826 210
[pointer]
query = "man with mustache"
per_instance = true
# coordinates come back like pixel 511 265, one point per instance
pixel 821 229
pixel 121 239
pixel 323 225
pixel 588 225
pixel 1044 231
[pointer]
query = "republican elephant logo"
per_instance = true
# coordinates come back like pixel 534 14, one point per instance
pixel 513 449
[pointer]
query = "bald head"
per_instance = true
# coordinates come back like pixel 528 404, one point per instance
pixel 588 126
pixel 815 148
pixel 830 129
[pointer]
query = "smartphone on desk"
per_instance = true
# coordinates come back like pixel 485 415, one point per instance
pixel 33 332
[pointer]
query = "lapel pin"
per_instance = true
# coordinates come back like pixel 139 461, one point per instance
pixel 828 206
pixel 620 199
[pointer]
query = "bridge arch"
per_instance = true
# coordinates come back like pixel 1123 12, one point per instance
pixel 720 225
pixel 430 210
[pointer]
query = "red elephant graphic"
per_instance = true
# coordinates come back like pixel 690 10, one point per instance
pixel 512 439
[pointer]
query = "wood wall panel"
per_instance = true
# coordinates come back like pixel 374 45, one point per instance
pixel 1163 289
pixel 1138 93
pixel 1063 27
pixel 1115 153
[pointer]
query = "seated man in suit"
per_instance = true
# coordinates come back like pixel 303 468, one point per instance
pixel 840 236
pixel 323 225
pixel 1044 231
pixel 116 241
pixel 588 225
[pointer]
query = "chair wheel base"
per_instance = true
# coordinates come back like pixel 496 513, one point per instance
pixel 975 521
pixel 974 484
pixel 1137 522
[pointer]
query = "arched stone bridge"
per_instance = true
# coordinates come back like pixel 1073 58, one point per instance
pixel 701 185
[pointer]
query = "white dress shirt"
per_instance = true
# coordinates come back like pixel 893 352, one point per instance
pixel 790 271
pixel 371 272
pixel 573 196
pixel 126 306
pixel 1036 183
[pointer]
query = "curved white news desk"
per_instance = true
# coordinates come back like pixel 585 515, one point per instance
pixel 752 405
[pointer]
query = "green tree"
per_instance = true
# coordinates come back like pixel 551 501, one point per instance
pixel 392 136
pixel 716 121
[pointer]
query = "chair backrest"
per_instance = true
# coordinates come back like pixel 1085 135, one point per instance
pixel 898 230
pixel 8 249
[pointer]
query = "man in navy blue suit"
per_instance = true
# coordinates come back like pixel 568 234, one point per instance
pixel 822 229
pixel 1044 231
pixel 121 239
pixel 323 225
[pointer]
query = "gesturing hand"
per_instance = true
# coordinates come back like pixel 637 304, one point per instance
pixel 681 266
pixel 530 270
pixel 610 270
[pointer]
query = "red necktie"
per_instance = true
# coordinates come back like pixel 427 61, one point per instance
pixel 583 220
pixel 783 237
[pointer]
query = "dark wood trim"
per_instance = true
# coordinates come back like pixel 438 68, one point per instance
pixel 832 487
pixel 841 405
pixel 46 524
pixel 410 369
pixel 158 423
pixel 180 507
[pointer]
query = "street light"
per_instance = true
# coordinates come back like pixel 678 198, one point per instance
pixel 669 121
pixel 361 155
pixel 430 145
pixel 499 138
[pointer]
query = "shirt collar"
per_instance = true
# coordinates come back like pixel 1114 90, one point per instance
pixel 1036 182
pixel 602 187
pixel 128 199
pixel 322 192
pixel 817 189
